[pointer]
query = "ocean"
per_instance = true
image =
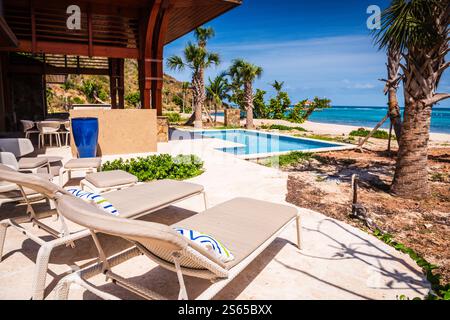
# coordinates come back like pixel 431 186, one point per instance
pixel 370 116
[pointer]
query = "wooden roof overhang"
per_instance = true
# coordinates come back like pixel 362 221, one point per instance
pixel 109 28
pixel 114 29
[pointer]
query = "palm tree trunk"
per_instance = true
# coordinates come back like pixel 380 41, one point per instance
pixel 393 66
pixel 411 174
pixel 248 98
pixel 198 100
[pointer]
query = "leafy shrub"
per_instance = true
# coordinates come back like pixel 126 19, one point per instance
pixel 173 117
pixel 77 100
pixel 133 98
pixel 289 159
pixel 177 100
pixel 361 132
pixel 283 128
pixel 94 89
pixel 158 167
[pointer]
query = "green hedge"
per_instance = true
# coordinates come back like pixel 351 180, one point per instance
pixel 282 128
pixel 159 167
pixel 361 132
pixel 173 117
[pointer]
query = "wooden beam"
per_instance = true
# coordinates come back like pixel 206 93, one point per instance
pixel 158 52
pixel 113 83
pixel 56 70
pixel 91 44
pixel 121 82
pixel 75 49
pixel 33 27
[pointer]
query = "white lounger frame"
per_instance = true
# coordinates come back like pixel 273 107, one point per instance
pixel 219 281
pixel 69 171
pixel 62 238
pixel 87 186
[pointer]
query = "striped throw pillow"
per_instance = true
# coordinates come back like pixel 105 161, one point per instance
pixel 209 243
pixel 97 199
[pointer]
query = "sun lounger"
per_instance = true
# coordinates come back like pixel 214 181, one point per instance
pixel 133 202
pixel 245 226
pixel 20 148
pixel 102 182
pixel 86 165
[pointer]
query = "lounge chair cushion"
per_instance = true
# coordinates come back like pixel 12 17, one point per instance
pixel 97 199
pixel 241 224
pixel 31 163
pixel 83 163
pixel 107 179
pixel 213 246
pixel 148 197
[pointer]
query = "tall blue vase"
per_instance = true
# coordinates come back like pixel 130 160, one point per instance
pixel 85 134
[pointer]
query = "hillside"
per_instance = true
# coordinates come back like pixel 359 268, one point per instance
pixel 80 89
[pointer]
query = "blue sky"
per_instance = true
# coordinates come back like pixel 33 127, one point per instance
pixel 318 48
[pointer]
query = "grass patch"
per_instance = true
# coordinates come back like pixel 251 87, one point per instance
pixel 158 167
pixel 282 128
pixel 438 177
pixel 361 132
pixel 225 127
pixel 289 159
pixel 327 138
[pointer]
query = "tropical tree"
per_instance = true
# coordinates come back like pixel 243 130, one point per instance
pixel 217 91
pixel 260 108
pixel 277 85
pixel 392 82
pixel 279 104
pixel 305 108
pixel 197 59
pixel 244 73
pixel 185 86
pixel 203 35
pixel 419 30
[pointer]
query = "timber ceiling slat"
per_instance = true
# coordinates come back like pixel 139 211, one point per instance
pixel 115 23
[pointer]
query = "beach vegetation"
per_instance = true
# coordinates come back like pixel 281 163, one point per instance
pixel 289 159
pixel 361 132
pixel 158 167
pixel 282 128
pixel 304 109
pixel 243 75
pixel 418 29
pixel 217 91
pixel 196 58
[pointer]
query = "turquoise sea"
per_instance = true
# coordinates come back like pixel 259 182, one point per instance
pixel 370 116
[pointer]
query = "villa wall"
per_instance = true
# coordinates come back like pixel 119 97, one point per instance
pixel 122 131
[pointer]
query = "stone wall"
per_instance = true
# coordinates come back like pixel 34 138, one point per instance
pixel 232 117
pixel 163 129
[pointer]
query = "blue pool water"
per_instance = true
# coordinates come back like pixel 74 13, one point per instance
pixel 259 142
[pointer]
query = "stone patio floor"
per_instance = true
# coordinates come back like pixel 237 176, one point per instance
pixel 337 261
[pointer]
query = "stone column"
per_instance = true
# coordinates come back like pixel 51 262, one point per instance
pixel 163 129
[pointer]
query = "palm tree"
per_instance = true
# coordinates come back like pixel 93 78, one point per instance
pixel 197 59
pixel 278 86
pixel 203 34
pixel 392 82
pixel 217 91
pixel 419 30
pixel 245 73
pixel 184 89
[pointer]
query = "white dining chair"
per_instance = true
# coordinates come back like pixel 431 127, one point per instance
pixel 29 128
pixel 51 129
pixel 65 131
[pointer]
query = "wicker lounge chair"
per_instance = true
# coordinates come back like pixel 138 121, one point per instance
pixel 245 226
pixel 132 203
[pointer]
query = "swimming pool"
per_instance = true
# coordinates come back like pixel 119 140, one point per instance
pixel 254 144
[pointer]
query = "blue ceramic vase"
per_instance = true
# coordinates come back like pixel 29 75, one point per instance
pixel 85 134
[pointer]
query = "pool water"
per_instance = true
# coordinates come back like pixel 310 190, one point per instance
pixel 263 143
